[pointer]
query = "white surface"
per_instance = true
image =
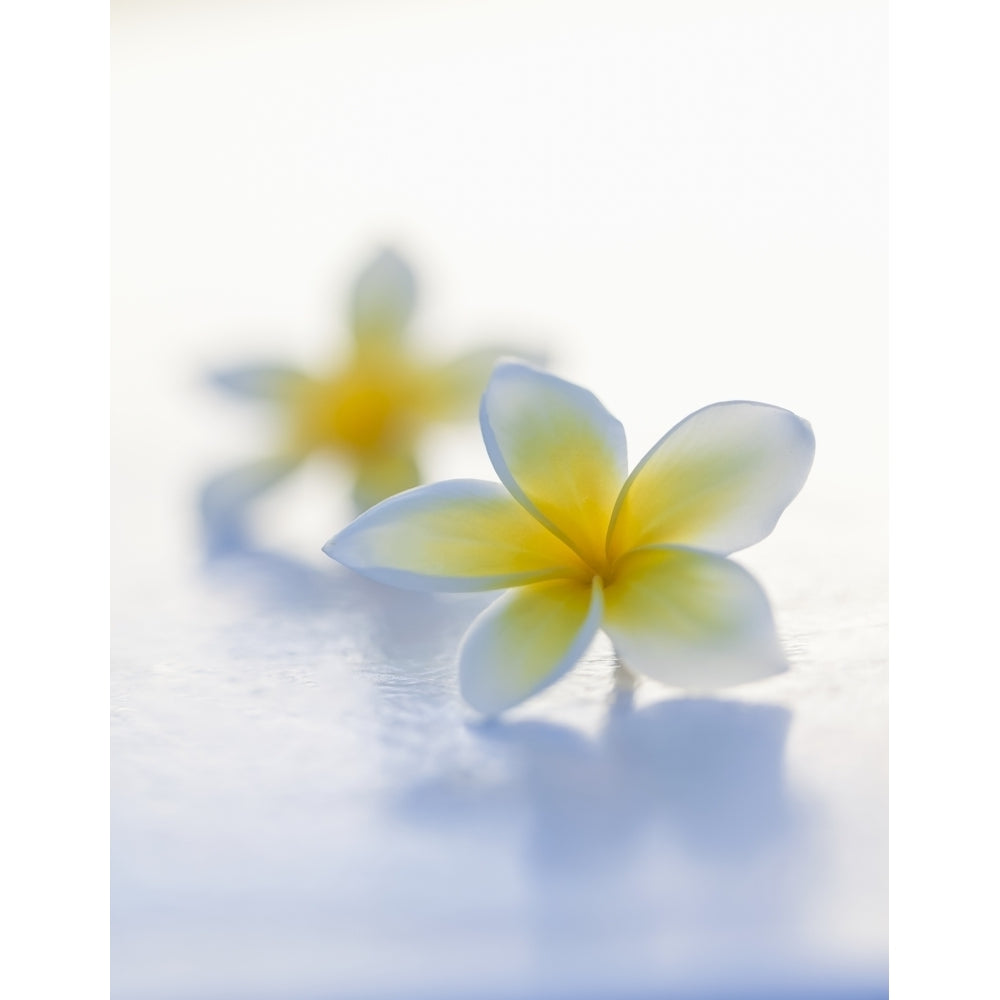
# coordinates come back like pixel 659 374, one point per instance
pixel 683 203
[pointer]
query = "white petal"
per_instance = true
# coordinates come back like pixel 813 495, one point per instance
pixel 383 475
pixel 527 640
pixel 258 381
pixel 558 450
pixel 226 497
pixel 458 535
pixel 691 619
pixel 382 300
pixel 454 389
pixel 718 481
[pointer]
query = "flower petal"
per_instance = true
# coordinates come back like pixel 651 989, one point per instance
pixel 225 498
pixel 691 619
pixel 459 535
pixel 558 450
pixel 383 475
pixel 718 481
pixel 453 390
pixel 258 381
pixel 527 640
pixel 382 301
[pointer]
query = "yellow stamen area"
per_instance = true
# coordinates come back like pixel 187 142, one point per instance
pixel 592 561
pixel 369 408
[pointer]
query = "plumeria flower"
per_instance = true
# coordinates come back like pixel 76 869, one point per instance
pixel 368 411
pixel 584 545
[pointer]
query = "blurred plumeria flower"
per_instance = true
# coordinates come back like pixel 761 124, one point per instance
pixel 645 561
pixel 369 412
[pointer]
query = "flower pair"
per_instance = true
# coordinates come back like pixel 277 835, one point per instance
pixel 584 545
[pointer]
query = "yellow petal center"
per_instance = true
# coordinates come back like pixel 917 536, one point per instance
pixel 368 408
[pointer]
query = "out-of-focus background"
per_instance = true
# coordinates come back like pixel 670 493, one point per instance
pixel 680 203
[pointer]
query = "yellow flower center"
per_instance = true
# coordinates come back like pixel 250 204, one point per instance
pixel 593 562
pixel 367 409
pixel 606 569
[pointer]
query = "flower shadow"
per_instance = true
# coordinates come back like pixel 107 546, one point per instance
pixel 384 624
pixel 274 580
pixel 712 770
pixel 701 777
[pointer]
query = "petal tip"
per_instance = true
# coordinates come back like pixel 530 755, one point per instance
pixel 479 700
pixel 340 549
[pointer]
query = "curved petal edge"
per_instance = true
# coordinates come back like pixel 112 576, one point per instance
pixel 527 640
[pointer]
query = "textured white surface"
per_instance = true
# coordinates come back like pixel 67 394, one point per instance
pixel 302 807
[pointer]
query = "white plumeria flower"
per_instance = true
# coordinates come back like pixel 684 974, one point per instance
pixel 645 561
